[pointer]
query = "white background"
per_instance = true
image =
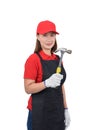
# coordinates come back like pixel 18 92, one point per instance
pixel 18 21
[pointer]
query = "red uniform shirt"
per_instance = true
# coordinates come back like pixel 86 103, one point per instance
pixel 33 69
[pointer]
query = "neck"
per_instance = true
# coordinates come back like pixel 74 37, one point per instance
pixel 48 52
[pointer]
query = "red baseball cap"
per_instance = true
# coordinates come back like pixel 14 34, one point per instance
pixel 45 27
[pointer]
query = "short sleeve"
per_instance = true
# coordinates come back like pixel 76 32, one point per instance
pixel 31 67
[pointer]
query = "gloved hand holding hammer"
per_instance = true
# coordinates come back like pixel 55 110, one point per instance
pixel 54 80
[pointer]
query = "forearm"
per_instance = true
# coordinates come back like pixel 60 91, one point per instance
pixel 64 97
pixel 32 87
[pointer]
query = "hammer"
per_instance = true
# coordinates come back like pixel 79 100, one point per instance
pixel 62 50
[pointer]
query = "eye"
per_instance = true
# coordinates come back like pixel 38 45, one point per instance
pixel 52 34
pixel 45 34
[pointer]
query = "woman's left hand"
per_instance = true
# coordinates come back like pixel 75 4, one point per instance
pixel 67 117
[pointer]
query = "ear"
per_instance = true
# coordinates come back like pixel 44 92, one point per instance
pixel 37 36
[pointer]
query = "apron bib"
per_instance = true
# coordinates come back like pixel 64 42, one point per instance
pixel 47 105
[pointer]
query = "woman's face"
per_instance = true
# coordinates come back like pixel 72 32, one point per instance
pixel 47 40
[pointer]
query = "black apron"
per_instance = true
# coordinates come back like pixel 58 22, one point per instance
pixel 47 105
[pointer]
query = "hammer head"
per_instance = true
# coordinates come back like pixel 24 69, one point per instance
pixel 63 50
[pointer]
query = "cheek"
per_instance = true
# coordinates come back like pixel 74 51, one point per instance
pixel 54 40
pixel 41 40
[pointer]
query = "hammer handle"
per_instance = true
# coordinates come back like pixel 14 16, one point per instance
pixel 58 70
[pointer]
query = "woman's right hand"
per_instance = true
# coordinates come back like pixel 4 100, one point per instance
pixel 53 81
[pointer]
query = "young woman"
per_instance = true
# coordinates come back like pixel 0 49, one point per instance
pixel 47 104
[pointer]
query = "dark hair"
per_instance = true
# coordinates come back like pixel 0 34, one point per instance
pixel 38 46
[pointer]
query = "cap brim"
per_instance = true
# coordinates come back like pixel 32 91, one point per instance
pixel 48 32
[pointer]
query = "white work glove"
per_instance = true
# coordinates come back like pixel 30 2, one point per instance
pixel 53 81
pixel 67 118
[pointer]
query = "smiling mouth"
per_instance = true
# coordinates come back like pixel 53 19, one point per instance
pixel 49 44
